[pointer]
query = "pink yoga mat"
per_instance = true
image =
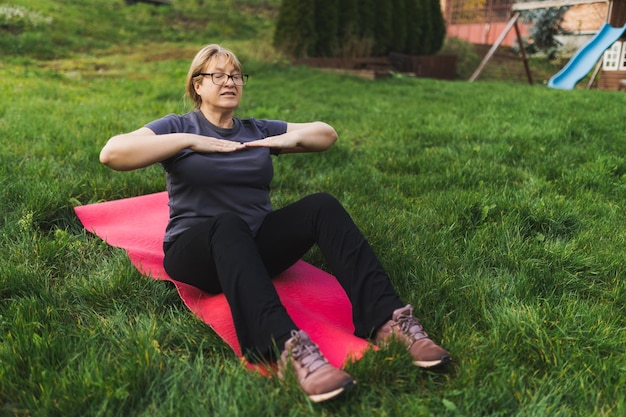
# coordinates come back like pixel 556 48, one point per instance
pixel 312 297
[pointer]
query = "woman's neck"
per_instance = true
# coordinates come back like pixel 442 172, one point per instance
pixel 222 119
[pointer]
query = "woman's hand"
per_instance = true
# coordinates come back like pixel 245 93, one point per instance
pixel 300 137
pixel 206 144
pixel 281 142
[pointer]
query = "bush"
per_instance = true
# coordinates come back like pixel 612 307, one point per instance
pixel 467 58
pixel 16 19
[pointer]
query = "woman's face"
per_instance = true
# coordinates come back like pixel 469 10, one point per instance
pixel 219 97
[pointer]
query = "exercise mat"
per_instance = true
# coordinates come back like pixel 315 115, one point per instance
pixel 313 298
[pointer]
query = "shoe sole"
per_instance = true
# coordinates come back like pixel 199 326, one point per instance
pixel 432 364
pixel 316 398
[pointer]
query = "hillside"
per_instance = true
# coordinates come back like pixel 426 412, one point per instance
pixel 46 29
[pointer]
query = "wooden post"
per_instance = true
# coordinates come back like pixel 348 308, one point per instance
pixel 523 52
pixel 595 73
pixel 500 39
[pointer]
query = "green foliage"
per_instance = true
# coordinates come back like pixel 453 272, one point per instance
pixel 349 23
pixel 355 38
pixel 438 27
pixel 413 38
pixel 382 29
pixel 427 34
pixel 400 31
pixel 546 25
pixel 349 28
pixel 326 24
pixel 295 32
pixel 16 19
pixel 366 15
pixel 467 58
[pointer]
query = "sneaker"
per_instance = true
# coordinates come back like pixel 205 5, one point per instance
pixel 319 380
pixel 405 328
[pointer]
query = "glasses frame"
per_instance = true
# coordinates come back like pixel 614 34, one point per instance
pixel 244 78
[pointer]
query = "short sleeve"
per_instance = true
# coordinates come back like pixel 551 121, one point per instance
pixel 271 127
pixel 168 124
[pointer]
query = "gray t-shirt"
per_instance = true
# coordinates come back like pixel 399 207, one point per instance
pixel 201 185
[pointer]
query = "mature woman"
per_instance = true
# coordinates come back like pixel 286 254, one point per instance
pixel 224 236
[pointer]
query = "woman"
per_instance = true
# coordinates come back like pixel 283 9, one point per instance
pixel 224 236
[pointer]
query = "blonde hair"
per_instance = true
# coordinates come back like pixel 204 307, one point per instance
pixel 206 55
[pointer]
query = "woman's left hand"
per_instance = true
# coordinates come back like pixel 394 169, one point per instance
pixel 274 142
pixel 300 137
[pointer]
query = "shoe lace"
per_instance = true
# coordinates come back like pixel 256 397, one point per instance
pixel 410 326
pixel 307 353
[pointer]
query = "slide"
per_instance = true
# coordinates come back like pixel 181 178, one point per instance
pixel 585 58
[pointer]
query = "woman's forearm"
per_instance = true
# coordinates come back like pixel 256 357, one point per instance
pixel 141 148
pixel 314 137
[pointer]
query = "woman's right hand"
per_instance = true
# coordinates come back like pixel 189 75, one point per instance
pixel 207 144
pixel 143 147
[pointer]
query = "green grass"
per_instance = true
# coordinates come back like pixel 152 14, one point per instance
pixel 496 207
pixel 52 30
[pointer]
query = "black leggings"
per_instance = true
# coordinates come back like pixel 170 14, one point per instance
pixel 222 255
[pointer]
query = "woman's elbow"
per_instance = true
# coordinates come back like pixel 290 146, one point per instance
pixel 108 158
pixel 105 158
pixel 331 134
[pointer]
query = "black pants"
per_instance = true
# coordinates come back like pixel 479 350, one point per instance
pixel 222 255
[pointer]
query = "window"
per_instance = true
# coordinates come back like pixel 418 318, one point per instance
pixel 614 58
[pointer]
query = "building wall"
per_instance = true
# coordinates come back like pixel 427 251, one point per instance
pixel 609 80
pixel 585 18
pixel 485 33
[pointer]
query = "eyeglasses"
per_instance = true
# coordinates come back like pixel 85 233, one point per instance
pixel 221 78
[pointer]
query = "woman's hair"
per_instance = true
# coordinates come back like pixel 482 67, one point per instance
pixel 206 55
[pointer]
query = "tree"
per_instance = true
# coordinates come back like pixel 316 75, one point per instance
pixel 348 25
pixel 367 18
pixel 438 27
pixel 399 28
pixel 546 25
pixel 350 28
pixel 428 35
pixel 295 29
pixel 383 33
pixel 326 17
pixel 415 22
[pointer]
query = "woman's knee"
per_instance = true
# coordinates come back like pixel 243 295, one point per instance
pixel 324 200
pixel 326 204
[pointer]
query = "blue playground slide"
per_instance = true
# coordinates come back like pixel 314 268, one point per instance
pixel 585 58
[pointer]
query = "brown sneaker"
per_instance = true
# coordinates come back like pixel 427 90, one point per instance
pixel 404 327
pixel 319 380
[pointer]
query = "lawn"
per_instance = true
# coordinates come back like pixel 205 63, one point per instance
pixel 496 207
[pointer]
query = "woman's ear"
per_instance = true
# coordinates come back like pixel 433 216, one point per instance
pixel 196 85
